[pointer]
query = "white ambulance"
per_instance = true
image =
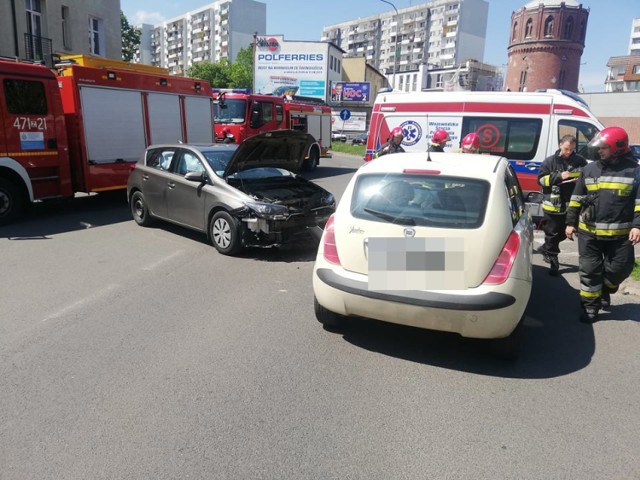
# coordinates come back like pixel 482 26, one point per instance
pixel 524 127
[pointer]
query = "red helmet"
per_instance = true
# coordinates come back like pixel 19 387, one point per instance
pixel 615 138
pixel 470 143
pixel 397 131
pixel 440 136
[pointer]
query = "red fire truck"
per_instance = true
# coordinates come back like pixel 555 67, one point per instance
pixel 240 114
pixel 81 128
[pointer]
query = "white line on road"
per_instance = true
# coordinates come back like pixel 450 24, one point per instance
pixel 103 292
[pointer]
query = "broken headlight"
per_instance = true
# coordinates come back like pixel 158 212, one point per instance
pixel 268 210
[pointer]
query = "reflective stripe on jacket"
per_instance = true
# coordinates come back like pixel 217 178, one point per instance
pixel 556 191
pixel 606 200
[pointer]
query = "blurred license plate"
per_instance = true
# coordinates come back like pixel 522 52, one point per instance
pixel 416 263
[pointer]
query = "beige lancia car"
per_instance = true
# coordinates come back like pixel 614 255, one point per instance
pixel 439 241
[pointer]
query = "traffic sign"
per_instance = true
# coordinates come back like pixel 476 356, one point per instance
pixel 345 114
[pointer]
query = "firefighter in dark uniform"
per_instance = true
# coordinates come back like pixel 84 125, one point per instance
pixel 394 145
pixel 605 210
pixel 557 176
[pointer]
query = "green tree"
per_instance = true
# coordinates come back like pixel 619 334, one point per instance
pixel 242 69
pixel 217 74
pixel 130 38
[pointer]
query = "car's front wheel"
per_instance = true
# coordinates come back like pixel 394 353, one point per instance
pixel 329 320
pixel 225 233
pixel 139 209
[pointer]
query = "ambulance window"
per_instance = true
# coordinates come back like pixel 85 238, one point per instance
pixel 25 97
pixel 516 139
pixel 583 132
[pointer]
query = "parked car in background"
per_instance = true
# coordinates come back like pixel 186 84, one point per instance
pixel 246 195
pixel 635 150
pixel 338 137
pixel 360 139
pixel 444 244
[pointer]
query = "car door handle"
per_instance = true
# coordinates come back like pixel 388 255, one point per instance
pixel 171 185
pixel 531 166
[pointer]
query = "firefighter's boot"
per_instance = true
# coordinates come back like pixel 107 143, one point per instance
pixel 589 315
pixel 554 266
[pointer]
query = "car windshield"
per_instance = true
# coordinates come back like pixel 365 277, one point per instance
pixel 421 200
pixel 230 111
pixel 219 158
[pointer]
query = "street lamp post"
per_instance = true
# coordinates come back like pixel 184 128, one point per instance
pixel 395 53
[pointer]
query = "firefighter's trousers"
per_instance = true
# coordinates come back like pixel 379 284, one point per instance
pixel 604 264
pixel 553 226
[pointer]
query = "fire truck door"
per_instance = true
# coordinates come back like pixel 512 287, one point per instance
pixel 314 126
pixel 199 119
pixel 165 118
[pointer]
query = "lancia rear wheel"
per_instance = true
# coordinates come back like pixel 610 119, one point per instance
pixel 139 209
pixel 330 321
pixel 225 233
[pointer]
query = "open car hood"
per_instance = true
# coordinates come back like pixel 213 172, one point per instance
pixel 286 149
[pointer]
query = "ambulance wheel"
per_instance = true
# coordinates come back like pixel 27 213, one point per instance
pixel 139 209
pixel 225 233
pixel 13 201
pixel 312 162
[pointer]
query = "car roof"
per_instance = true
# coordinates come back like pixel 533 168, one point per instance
pixel 450 164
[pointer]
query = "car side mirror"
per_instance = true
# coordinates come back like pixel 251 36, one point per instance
pixel 199 177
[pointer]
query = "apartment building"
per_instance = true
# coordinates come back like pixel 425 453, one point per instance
pixel 38 30
pixel 634 39
pixel 440 34
pixel 216 31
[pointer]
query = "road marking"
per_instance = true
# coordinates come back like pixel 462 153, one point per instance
pixel 162 261
pixel 103 292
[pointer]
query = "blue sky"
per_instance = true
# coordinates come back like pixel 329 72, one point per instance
pixel 608 29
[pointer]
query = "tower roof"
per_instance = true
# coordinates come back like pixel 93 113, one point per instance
pixel 551 3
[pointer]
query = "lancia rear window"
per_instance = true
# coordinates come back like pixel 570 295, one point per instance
pixel 421 200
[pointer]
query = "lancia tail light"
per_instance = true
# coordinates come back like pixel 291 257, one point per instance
pixel 501 269
pixel 329 243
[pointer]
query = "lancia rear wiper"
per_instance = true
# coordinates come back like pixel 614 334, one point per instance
pixel 391 218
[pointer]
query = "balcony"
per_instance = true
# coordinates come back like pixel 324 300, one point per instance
pixel 38 49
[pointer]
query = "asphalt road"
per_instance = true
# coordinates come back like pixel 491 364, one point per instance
pixel 129 352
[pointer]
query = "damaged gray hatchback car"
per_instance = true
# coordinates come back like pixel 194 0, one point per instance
pixel 246 195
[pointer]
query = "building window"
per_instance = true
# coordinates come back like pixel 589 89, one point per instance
pixel 515 31
pixel 636 69
pixel 568 28
pixel 34 29
pixel 64 13
pixel 548 26
pixel 528 28
pixel 96 35
pixel 523 81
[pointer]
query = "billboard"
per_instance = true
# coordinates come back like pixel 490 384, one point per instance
pixel 350 91
pixel 290 68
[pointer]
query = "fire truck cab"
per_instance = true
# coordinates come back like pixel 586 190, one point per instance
pixel 240 114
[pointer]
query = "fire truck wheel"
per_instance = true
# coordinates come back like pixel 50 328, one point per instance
pixel 139 209
pixel 12 201
pixel 225 233
pixel 312 162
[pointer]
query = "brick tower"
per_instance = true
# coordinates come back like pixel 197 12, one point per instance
pixel 545 45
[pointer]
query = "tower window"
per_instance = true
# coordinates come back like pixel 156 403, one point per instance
pixel 528 29
pixel 568 28
pixel 548 26
pixel 515 31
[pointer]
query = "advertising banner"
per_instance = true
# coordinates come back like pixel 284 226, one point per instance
pixel 357 122
pixel 350 91
pixel 290 68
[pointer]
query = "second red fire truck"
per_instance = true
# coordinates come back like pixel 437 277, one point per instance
pixel 240 114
